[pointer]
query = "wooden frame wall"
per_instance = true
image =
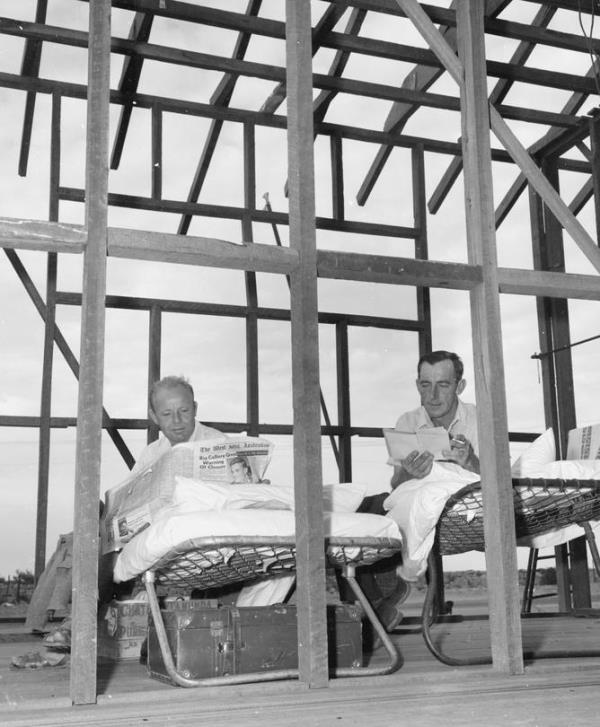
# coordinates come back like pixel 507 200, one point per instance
pixel 303 262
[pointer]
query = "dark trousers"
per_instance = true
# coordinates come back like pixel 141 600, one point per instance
pixel 377 580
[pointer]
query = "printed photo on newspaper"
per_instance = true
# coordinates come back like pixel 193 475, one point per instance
pixel 134 504
pixel 401 444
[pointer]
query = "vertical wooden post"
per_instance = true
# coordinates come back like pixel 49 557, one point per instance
pixel 89 409
pixel 252 392
pixel 337 177
pixel 157 150
pixel 499 522
pixel 595 163
pixel 312 628
pixel 557 370
pixel 421 252
pixel 49 333
pixel 343 401
pixel 154 350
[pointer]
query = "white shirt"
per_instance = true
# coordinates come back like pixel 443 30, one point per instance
pixel 156 449
pixel 464 422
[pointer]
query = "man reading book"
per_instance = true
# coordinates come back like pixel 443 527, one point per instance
pixel 439 383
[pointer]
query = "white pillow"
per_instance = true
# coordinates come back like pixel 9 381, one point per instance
pixel 205 495
pixel 565 469
pixel 343 496
pixel 539 453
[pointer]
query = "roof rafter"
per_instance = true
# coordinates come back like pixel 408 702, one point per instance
pixel 30 66
pixel 498 94
pixel 130 77
pixel 536 179
pixel 221 97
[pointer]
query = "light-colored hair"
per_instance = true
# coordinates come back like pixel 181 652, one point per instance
pixel 168 382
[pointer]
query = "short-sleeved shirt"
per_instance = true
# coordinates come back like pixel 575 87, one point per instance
pixel 156 449
pixel 464 422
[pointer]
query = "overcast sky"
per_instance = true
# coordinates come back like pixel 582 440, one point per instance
pixel 211 351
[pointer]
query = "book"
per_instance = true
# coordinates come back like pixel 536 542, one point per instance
pixel 401 444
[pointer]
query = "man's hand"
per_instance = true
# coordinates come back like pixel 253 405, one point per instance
pixel 418 464
pixel 462 453
pixel 414 466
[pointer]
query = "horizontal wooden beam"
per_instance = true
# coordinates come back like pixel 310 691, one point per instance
pixel 42 236
pixel 209 252
pixel 190 108
pixel 235 66
pixel 239 311
pixel 229 427
pixel 238 213
pixel 396 270
pixel 145 245
pixel 546 284
pixel 275 29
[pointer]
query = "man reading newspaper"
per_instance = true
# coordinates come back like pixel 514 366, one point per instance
pixel 172 407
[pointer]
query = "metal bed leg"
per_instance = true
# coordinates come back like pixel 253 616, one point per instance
pixel 349 573
pixel 430 613
pixel 267 676
pixel 167 656
pixel 591 539
pixel 529 581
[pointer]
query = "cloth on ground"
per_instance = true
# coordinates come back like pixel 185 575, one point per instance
pixel 53 590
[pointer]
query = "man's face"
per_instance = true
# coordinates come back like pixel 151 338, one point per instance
pixel 439 390
pixel 174 412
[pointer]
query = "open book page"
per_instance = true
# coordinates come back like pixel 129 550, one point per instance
pixel 401 444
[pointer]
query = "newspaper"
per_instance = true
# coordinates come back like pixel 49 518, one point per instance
pixel 584 443
pixel 401 444
pixel 134 504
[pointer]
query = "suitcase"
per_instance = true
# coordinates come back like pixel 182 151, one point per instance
pixel 210 642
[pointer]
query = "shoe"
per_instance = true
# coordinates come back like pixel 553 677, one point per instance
pixel 389 614
pixel 388 610
pixel 35 660
pixel 59 639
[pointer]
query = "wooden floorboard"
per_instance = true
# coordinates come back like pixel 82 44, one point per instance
pixel 422 692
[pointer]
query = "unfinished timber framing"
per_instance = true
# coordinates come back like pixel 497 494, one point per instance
pixel 462 27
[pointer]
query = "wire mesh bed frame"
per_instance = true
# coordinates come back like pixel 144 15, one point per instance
pixel 541 505
pixel 209 562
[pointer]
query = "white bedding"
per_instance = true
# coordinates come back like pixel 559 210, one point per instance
pixel 179 523
pixel 417 505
